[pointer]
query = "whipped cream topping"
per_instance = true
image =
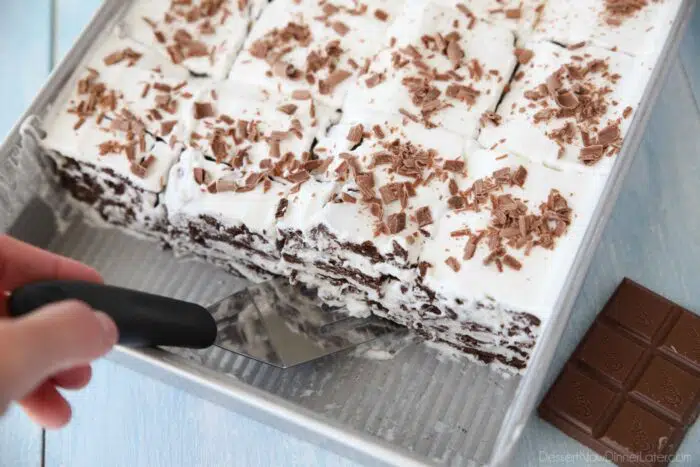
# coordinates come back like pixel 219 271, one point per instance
pixel 367 197
pixel 637 28
pixel 104 119
pixel 532 282
pixel 202 35
pixel 440 68
pixel 188 197
pixel 113 50
pixel 520 16
pixel 313 46
pixel 256 132
pixel 563 101
pixel 103 147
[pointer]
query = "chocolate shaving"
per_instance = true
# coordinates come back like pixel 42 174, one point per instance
pixel 138 170
pixel 281 208
pixel 408 115
pixel 200 175
pixel 470 247
pixel 381 15
pixel 519 177
pixel 553 84
pixel 618 10
pixel 378 132
pixel 222 186
pixel 355 134
pixel 452 186
pixel 288 109
pixel 468 13
pixel 167 127
pixel 608 135
pixel 513 13
pixel 456 202
pixel 390 192
pixel 424 216
pixel 454 54
pixel 114 58
pixel 111 147
pixel 591 154
pixel 396 222
pixel 466 94
pixel 567 100
pixel 453 263
pixel 490 117
pixel 512 263
pixel 299 177
pixel 340 27
pixel 374 80
pixel 348 199
pixel 423 267
pixel 376 209
pixel 301 95
pixel 327 86
pixel 203 110
pixel 365 182
pixel 524 55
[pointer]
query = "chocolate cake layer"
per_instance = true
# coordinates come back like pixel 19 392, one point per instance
pixel 111 198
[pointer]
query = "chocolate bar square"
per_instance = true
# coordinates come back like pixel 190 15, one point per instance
pixel 631 389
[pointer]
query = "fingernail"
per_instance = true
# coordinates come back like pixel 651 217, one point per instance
pixel 110 331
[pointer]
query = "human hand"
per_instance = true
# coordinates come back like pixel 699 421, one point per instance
pixel 53 347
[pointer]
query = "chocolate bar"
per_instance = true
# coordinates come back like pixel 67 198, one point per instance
pixel 631 390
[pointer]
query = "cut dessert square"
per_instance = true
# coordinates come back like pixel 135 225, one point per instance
pixel 363 223
pixel 117 190
pixel 313 46
pixel 636 27
pixel 520 16
pixel 254 129
pixel 202 35
pixel 130 86
pixel 215 218
pixel 247 147
pixel 115 51
pixel 152 100
pixel 98 134
pixel 441 69
pixel 567 107
pixel 492 272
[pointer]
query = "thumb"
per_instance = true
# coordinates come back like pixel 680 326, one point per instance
pixel 52 339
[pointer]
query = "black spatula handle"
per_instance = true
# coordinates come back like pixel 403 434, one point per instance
pixel 143 319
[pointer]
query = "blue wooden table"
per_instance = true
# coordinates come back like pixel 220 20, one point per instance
pixel 125 419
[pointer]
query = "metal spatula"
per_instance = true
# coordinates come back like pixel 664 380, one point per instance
pixel 273 322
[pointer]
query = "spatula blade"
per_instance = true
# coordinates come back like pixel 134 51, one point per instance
pixel 286 325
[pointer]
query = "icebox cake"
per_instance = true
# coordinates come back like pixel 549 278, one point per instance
pixel 433 162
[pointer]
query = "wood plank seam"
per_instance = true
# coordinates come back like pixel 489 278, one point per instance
pixel 686 77
pixel 53 30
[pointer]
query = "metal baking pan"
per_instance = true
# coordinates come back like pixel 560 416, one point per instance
pixel 417 408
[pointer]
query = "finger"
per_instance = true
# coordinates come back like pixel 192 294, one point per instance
pixel 47 407
pixel 75 378
pixel 21 263
pixel 51 340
